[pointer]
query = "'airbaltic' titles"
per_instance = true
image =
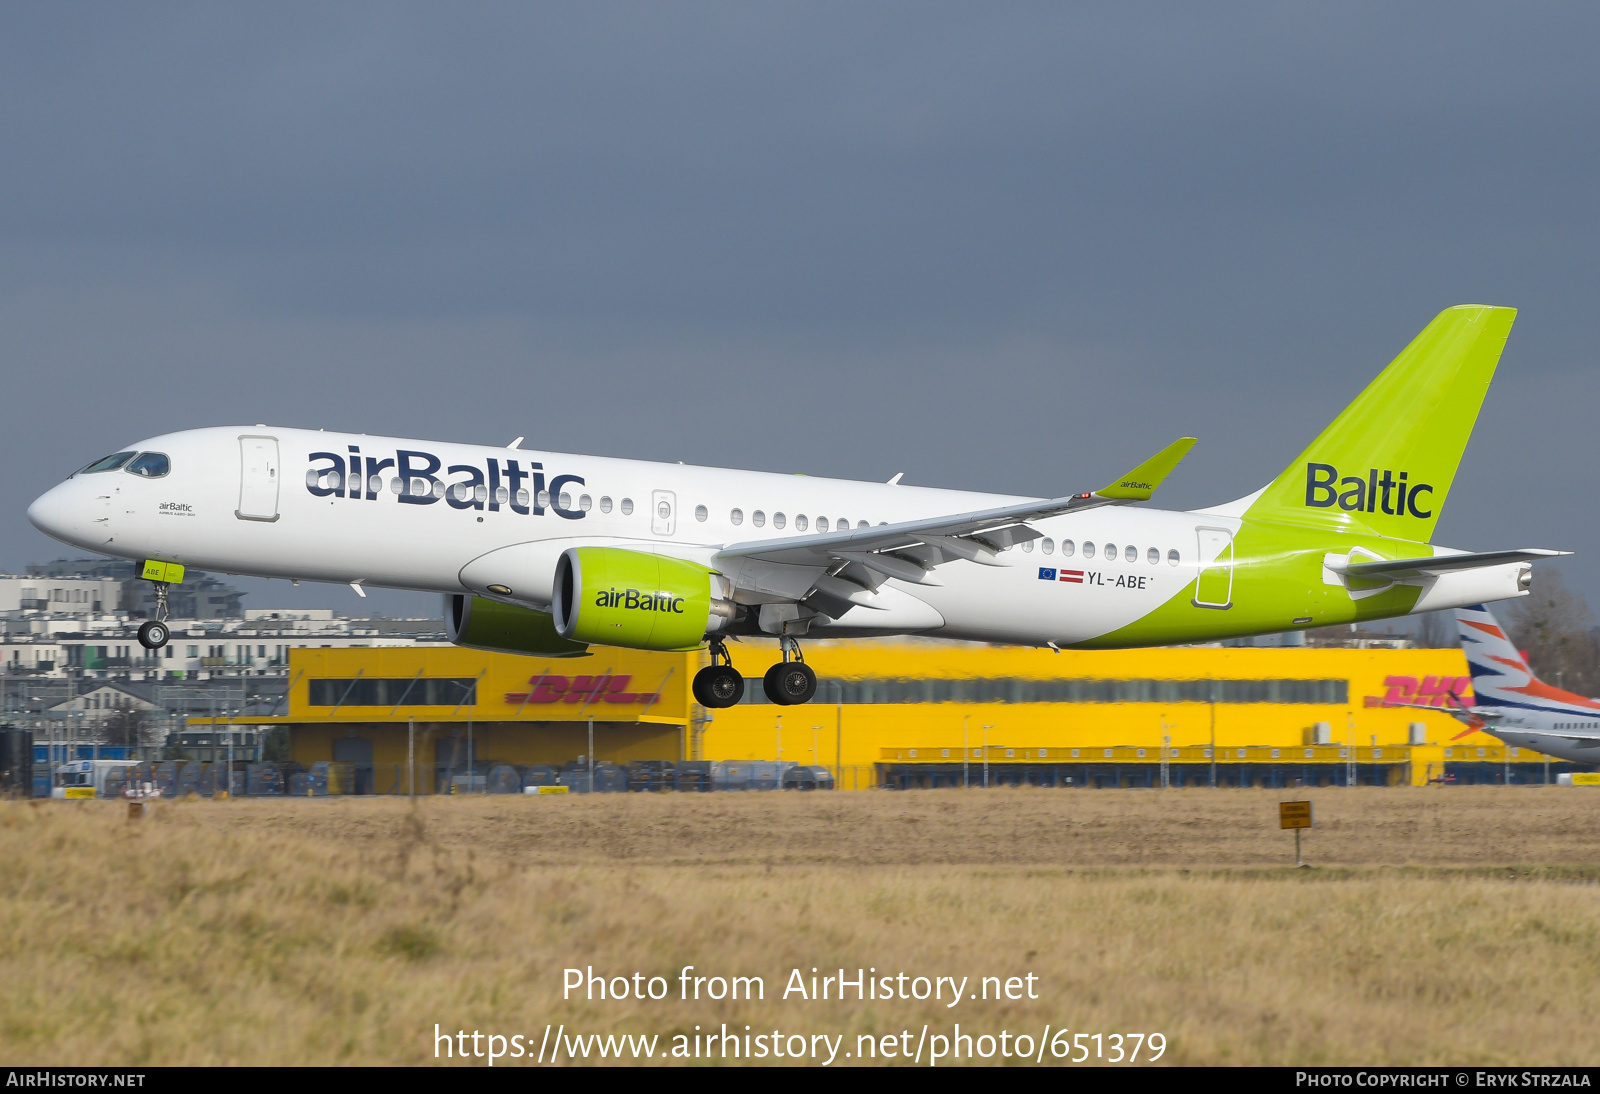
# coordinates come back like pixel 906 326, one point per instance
pixel 414 478
pixel 1368 495
pixel 634 600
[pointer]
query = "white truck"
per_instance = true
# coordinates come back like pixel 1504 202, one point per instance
pixel 78 779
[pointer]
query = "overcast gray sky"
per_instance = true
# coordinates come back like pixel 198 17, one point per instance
pixel 1010 247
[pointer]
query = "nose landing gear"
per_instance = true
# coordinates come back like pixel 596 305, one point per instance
pixel 719 684
pixel 790 682
pixel 153 633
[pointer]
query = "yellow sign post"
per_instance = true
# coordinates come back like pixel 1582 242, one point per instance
pixel 1296 815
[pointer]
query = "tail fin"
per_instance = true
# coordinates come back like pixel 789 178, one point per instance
pixel 1386 464
pixel 1500 674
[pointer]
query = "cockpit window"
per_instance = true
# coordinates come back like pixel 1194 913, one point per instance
pixel 150 465
pixel 108 463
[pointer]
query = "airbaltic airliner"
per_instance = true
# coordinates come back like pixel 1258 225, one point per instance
pixel 545 553
pixel 1513 704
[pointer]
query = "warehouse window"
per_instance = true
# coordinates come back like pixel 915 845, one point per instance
pixel 376 692
pixel 1016 690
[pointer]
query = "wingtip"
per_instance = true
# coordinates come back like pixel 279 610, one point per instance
pixel 1142 481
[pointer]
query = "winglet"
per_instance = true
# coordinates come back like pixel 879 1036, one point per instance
pixel 1141 482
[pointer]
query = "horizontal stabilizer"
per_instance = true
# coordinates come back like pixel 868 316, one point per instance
pixel 1394 569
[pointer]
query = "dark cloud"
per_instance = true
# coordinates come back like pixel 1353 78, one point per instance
pixel 1011 247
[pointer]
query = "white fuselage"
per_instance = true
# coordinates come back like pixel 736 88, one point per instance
pixel 1572 735
pixel 238 500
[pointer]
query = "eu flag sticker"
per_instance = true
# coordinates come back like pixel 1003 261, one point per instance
pixel 1047 573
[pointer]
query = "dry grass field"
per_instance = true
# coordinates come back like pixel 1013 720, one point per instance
pixel 1454 926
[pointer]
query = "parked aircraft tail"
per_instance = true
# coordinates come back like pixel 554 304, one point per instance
pixel 1500 673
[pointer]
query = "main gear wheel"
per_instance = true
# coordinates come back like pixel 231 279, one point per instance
pixel 718 686
pixel 790 683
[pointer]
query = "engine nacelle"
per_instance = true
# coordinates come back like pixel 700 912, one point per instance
pixel 482 624
pixel 616 597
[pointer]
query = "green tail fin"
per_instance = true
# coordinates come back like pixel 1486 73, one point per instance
pixel 1386 464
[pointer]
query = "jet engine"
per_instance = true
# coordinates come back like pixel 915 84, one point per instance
pixel 482 624
pixel 616 597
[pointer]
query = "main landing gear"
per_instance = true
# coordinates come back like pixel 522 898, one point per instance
pixel 719 683
pixel 788 683
pixel 153 634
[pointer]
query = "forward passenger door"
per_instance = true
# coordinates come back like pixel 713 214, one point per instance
pixel 258 479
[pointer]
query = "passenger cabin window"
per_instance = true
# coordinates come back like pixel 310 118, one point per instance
pixel 1109 552
pixel 758 518
pixel 1027 547
pixel 1172 557
pixel 585 503
pixel 1154 556
pixel 627 507
pixel 150 465
pixel 1131 553
pixel 605 505
pixel 701 513
pixel 737 516
pixel 822 524
pixel 108 463
pixel 1088 548
pixel 800 523
pixel 778 520
pixel 1048 546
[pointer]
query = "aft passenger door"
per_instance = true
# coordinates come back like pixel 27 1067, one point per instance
pixel 258 479
pixel 663 512
pixel 1214 587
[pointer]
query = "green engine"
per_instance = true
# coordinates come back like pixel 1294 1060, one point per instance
pixel 482 624
pixel 615 597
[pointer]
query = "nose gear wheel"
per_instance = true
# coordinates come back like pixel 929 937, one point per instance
pixel 154 633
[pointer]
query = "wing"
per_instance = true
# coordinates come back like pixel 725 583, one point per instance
pixel 910 549
pixel 1393 569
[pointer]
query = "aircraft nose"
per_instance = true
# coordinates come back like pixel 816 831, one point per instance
pixel 50 512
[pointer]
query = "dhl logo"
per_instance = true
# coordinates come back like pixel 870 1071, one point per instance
pixel 1445 692
pixel 604 688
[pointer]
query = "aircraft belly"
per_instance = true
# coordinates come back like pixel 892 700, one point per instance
pixel 1019 606
pixel 1552 744
pixel 894 611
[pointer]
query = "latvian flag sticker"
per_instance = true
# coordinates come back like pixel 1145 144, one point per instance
pixel 1074 576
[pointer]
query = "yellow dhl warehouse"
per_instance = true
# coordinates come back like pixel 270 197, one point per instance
pixel 911 713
